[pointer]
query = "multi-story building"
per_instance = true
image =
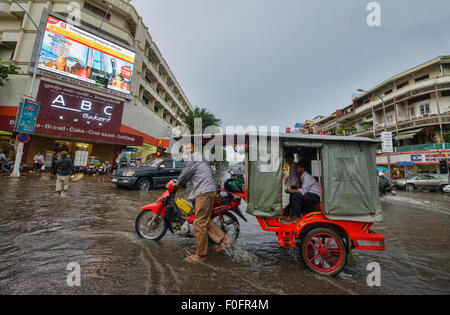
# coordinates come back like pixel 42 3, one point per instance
pixel 417 106
pixel 153 101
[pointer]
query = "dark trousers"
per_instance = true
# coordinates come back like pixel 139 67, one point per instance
pixel 301 204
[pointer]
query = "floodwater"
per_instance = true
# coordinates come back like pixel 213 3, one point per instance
pixel 40 234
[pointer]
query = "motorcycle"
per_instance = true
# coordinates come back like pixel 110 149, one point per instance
pixel 155 219
pixel 389 191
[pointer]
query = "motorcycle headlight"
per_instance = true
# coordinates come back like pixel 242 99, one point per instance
pixel 129 173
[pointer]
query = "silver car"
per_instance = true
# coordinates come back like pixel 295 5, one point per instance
pixel 422 181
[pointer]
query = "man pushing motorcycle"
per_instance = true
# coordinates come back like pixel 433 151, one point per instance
pixel 204 190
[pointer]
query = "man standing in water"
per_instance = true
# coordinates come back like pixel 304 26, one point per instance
pixel 204 190
pixel 64 168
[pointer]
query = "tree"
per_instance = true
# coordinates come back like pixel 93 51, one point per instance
pixel 447 136
pixel 5 71
pixel 208 119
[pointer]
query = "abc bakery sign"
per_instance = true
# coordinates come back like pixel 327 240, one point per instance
pixel 70 112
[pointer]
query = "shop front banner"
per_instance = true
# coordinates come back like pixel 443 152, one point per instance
pixel 74 113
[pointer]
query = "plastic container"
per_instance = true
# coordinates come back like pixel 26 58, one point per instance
pixel 184 206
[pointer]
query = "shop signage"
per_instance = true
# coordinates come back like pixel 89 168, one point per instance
pixel 387 144
pixel 28 115
pixel 72 52
pixel 416 157
pixel 74 113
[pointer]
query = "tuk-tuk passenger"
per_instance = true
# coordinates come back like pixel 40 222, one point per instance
pixel 303 200
pixel 292 179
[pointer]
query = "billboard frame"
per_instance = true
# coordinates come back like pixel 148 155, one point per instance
pixel 37 50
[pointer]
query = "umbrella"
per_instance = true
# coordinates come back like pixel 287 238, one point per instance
pixel 381 169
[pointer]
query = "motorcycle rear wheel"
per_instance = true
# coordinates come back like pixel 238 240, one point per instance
pixel 150 226
pixel 229 224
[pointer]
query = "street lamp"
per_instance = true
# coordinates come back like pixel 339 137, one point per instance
pixel 385 125
pixel 19 150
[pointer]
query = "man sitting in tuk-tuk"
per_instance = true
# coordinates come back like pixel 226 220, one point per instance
pixel 303 199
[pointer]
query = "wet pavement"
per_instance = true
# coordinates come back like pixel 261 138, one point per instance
pixel 40 234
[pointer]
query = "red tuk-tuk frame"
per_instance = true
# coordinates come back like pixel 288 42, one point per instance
pixel 314 234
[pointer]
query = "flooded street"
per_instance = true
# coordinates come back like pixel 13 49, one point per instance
pixel 40 234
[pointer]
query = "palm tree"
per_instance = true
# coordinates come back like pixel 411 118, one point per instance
pixel 208 119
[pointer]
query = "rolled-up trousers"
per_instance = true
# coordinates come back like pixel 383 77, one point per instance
pixel 204 226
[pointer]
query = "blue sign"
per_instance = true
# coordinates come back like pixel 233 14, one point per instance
pixel 405 163
pixel 28 117
pixel 416 157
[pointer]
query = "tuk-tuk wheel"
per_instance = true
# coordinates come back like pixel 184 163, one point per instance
pixel 324 252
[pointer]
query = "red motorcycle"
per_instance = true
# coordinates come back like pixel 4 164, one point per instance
pixel 155 219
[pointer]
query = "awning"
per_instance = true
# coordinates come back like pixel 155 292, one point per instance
pixel 407 135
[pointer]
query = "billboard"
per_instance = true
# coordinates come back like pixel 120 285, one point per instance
pixel 74 113
pixel 72 52
pixel 29 112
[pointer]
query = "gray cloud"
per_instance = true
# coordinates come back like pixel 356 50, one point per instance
pixel 278 62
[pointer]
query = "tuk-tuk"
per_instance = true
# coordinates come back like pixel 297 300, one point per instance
pixel 344 167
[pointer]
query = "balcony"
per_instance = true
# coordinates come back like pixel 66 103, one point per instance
pixel 423 147
pixel 425 86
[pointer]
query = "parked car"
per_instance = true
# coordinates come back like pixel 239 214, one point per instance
pixel 152 174
pixel 422 181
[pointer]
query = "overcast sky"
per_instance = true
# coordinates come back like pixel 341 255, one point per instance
pixel 279 62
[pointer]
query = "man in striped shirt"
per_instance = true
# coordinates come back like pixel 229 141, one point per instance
pixel 303 199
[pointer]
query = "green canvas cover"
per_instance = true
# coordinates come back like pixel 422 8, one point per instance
pixel 265 190
pixel 350 182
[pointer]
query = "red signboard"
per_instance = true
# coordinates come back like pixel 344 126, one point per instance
pixel 74 113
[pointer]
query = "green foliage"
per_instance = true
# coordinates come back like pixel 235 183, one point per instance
pixel 5 71
pixel 208 119
pixel 447 136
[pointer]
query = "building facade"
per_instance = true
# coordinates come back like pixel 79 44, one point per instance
pixel 134 111
pixel 417 106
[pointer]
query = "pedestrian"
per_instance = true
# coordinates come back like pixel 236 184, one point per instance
pixel 204 190
pixel 64 168
pixel 38 163
pixel 2 160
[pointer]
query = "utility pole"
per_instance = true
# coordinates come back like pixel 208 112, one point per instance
pixel 385 126
pixel 19 150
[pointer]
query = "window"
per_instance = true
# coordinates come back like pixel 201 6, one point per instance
pixel 156 109
pixel 369 117
pixel 419 99
pixel 445 93
pixel 412 112
pixel 96 10
pixel 388 92
pixel 424 109
pixel 402 85
pixel 144 100
pixel 422 78
pixel 167 164
pixel 179 164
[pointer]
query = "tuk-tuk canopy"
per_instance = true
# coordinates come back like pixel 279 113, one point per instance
pixel 346 167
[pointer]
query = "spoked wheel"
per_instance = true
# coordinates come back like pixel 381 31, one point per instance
pixel 150 225
pixel 144 184
pixel 324 252
pixel 229 224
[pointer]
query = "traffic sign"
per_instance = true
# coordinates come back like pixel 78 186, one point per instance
pixel 387 145
pixel 23 138
pixel 405 163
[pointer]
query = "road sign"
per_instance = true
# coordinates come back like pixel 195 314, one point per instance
pixel 387 144
pixel 405 163
pixel 23 138
pixel 28 117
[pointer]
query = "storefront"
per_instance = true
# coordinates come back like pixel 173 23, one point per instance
pixel 84 124
pixel 424 161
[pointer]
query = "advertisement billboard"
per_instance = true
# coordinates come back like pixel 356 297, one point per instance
pixel 29 112
pixel 74 113
pixel 72 52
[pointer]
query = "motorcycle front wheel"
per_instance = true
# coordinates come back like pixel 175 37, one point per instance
pixel 229 224
pixel 150 226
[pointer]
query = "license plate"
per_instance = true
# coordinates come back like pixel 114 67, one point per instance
pixel 115 180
